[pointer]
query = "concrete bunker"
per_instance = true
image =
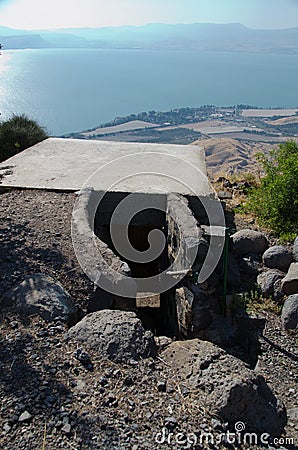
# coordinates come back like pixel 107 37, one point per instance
pixel 172 216
pixel 153 309
pixel 164 173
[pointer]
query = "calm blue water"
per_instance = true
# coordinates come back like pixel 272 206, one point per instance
pixel 73 90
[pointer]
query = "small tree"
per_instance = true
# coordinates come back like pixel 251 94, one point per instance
pixel 17 134
pixel 275 201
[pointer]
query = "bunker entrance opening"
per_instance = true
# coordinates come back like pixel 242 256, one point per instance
pixel 157 311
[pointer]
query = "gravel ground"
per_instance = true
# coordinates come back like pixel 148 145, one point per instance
pixel 35 236
pixel 106 406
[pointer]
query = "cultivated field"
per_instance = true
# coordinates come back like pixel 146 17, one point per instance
pixel 268 112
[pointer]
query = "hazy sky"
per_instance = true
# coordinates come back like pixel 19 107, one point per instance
pixel 37 14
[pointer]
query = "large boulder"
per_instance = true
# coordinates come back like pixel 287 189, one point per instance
pixel 40 294
pixel 248 241
pixel 277 257
pixel 269 283
pixel 116 335
pixel 289 284
pixel 289 314
pixel 227 388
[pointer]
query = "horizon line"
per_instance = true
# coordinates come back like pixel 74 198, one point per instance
pixel 91 27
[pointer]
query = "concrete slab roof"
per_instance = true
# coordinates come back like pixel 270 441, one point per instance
pixel 71 164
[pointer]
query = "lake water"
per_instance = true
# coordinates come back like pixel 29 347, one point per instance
pixel 70 90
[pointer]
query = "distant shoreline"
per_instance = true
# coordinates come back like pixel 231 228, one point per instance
pixel 187 125
pixel 156 49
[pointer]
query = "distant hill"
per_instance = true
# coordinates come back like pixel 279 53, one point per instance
pixel 227 156
pixel 212 37
pixel 24 42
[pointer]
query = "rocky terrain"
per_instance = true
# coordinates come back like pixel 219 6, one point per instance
pixel 91 387
pixel 229 156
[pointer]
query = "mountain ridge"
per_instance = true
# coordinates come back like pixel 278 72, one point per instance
pixel 196 36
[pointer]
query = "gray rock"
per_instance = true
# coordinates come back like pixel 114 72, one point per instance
pixel 293 414
pixel 248 241
pixel 228 389
pixel 40 294
pixel 216 424
pixel 25 417
pixel 250 265
pixel 184 302
pixel 289 314
pixel 116 335
pixel 278 292
pixel 295 250
pixel 225 195
pixel 6 428
pixel 82 356
pixel 277 257
pixel 162 341
pixel 66 428
pixel 289 284
pixel 268 282
pixel 170 422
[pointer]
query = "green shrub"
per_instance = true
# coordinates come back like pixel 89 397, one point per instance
pixel 17 134
pixel 275 201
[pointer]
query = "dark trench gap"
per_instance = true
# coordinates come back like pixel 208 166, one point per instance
pixel 161 320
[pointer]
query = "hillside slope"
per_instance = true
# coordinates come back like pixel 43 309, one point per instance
pixel 225 155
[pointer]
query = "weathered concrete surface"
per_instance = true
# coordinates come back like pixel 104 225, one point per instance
pixel 183 232
pixel 66 164
pixel 97 260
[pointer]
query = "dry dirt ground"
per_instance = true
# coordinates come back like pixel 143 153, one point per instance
pixel 228 156
pixel 111 406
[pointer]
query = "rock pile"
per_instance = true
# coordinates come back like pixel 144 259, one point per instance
pixel 278 276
